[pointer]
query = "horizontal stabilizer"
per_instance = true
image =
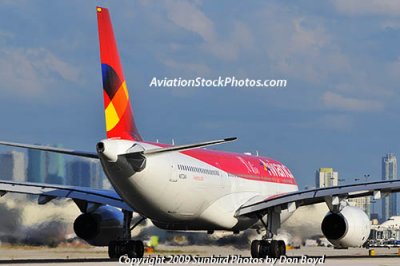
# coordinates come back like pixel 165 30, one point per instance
pixel 189 146
pixel 51 149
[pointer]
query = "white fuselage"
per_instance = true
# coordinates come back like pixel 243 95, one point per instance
pixel 177 191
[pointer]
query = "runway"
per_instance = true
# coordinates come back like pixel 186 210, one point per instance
pixel 98 256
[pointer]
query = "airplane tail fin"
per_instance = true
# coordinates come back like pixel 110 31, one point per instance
pixel 120 122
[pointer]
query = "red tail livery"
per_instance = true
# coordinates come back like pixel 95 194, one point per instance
pixel 119 118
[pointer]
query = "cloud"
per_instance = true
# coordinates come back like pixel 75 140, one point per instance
pixel 299 46
pixel 336 122
pixel 189 16
pixel 229 49
pixel 337 101
pixel 32 71
pixel 187 68
pixel 307 40
pixel 368 7
pixel 392 70
pixel 304 44
pixel 391 23
pixel 56 65
pixel 18 74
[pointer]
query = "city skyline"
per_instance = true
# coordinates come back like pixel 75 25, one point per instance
pixel 15 165
pixel 46 167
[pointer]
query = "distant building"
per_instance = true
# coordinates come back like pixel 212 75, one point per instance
pixel 37 166
pixel 12 166
pixel 389 172
pixel 97 174
pixel 55 165
pixel 326 177
pixel 84 173
pixel 362 203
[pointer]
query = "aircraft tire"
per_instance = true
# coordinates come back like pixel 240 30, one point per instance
pixel 264 248
pixel 274 250
pixel 135 249
pixel 113 250
pixel 255 249
pixel 282 248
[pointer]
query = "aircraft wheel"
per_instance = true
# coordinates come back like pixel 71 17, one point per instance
pixel 135 249
pixel 274 250
pixel 139 248
pixel 259 248
pixel 264 248
pixel 282 248
pixel 113 250
pixel 255 249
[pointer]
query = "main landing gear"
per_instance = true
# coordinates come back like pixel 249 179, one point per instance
pixel 270 248
pixel 126 246
pixel 267 246
pixel 131 248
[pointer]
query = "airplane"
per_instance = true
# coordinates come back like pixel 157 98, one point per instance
pixel 189 187
pixel 392 223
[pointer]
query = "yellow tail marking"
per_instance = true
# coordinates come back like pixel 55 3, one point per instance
pixel 112 118
pixel 125 90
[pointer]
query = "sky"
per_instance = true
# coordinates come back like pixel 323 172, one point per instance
pixel 341 59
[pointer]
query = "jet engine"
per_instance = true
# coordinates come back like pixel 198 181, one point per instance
pixel 347 228
pixel 101 226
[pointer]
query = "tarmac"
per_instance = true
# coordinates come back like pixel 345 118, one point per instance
pixel 195 255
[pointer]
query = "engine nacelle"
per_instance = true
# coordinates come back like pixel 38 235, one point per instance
pixel 100 227
pixel 349 228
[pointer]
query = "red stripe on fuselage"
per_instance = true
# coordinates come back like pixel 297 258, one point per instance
pixel 244 166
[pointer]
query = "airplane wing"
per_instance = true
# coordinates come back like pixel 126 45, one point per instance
pixel 87 199
pixel 331 195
